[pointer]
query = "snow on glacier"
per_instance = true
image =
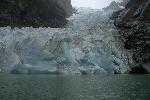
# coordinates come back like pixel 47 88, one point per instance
pixel 85 46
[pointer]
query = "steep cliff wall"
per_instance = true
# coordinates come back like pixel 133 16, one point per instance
pixel 34 13
pixel 134 25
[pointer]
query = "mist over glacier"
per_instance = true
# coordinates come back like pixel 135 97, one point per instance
pixel 95 4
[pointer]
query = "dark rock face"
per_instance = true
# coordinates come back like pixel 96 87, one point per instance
pixel 114 6
pixel 34 13
pixel 119 10
pixel 138 70
pixel 134 25
pixel 124 3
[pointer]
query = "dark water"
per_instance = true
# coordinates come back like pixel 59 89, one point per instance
pixel 46 87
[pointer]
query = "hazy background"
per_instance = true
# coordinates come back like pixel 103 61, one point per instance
pixel 95 4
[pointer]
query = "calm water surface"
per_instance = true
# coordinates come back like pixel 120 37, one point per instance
pixel 47 87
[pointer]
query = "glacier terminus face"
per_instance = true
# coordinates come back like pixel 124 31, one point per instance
pixel 87 45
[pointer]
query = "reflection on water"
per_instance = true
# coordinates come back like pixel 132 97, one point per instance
pixel 46 87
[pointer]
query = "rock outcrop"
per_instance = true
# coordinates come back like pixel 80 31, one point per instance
pixel 34 13
pixel 134 25
pixel 123 3
pixel 114 6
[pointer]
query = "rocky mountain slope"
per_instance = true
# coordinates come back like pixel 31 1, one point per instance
pixel 34 13
pixel 123 3
pixel 116 6
pixel 134 25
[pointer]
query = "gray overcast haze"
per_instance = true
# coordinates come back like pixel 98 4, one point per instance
pixel 95 4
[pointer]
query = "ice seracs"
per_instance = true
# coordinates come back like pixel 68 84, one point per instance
pixel 85 46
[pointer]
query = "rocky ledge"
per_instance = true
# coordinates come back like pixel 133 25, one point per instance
pixel 134 25
pixel 43 13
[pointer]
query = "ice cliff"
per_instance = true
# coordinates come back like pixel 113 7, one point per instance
pixel 87 45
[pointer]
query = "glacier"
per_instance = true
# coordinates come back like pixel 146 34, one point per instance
pixel 88 44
